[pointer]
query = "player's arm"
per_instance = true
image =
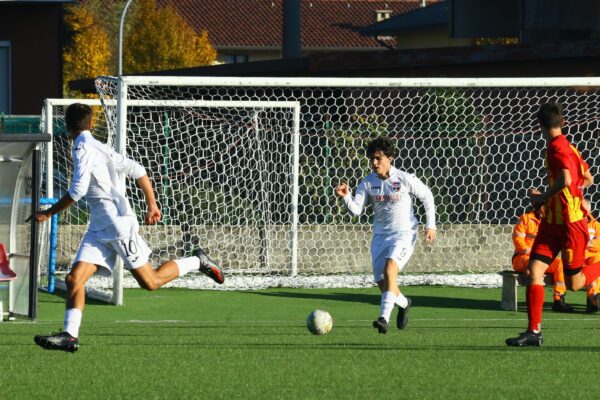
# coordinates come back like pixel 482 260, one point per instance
pixel 136 171
pixel 588 179
pixel 65 202
pixel 82 172
pixel 518 236
pixel 355 206
pixel 153 213
pixel 424 194
pixel 562 181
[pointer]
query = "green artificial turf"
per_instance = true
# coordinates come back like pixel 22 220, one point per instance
pixel 188 344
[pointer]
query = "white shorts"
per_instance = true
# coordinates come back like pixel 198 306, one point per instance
pixel 398 247
pixel 102 247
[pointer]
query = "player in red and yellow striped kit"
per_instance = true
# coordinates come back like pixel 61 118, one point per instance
pixel 564 229
pixel 524 233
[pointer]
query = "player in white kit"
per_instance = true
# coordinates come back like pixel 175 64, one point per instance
pixel 390 192
pixel 113 227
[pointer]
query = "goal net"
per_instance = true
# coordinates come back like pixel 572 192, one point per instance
pixel 246 168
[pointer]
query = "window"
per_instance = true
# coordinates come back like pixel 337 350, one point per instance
pixel 236 58
pixel 5 78
pixel 381 15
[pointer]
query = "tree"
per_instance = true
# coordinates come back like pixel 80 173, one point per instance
pixel 155 38
pixel 159 38
pixel 88 52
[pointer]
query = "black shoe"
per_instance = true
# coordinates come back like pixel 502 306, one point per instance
pixel 561 306
pixel 592 304
pixel 381 325
pixel 208 267
pixel 402 317
pixel 526 338
pixel 58 341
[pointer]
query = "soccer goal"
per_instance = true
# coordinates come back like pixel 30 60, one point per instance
pixel 246 168
pixel 237 157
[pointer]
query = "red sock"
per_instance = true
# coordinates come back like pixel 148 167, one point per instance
pixel 591 272
pixel 535 304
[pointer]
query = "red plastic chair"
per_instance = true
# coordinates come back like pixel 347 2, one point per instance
pixel 6 274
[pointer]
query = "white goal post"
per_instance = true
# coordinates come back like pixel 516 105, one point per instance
pixel 475 142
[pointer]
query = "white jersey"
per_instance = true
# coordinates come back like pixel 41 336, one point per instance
pixel 392 201
pixel 95 168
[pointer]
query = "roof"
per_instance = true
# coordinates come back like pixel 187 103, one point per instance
pixel 36 1
pixel 258 23
pixel 433 15
pixel 548 59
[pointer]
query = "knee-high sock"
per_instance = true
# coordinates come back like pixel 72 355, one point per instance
pixel 401 301
pixel 72 321
pixel 535 304
pixel 388 300
pixel 188 264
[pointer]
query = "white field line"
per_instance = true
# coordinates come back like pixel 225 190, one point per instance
pixel 229 322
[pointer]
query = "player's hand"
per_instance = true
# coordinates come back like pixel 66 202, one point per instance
pixel 153 215
pixel 342 190
pixel 430 235
pixel 536 197
pixel 39 217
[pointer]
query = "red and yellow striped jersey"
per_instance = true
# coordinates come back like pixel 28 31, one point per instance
pixel 565 206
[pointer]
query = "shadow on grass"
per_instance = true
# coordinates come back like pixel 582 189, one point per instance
pixel 60 297
pixel 303 347
pixel 418 301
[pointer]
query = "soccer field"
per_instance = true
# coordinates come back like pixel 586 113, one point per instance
pixel 178 344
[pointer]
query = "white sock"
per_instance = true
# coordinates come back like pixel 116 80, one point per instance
pixel 73 321
pixel 401 301
pixel 188 264
pixel 388 300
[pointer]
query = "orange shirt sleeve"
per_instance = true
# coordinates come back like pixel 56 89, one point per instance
pixel 593 246
pixel 519 236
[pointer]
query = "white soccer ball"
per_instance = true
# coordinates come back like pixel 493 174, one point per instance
pixel 319 322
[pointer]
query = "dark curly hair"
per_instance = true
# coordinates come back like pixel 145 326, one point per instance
pixel 382 144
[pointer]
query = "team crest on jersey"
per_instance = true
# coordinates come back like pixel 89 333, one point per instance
pixel 396 186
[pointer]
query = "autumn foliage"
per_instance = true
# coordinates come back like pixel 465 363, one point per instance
pixel 159 38
pixel 88 54
pixel 156 38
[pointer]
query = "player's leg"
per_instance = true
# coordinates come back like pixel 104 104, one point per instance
pixel 67 339
pixel 535 302
pixel 91 255
pixel 135 254
pixel 378 264
pixel 400 301
pixel 547 245
pixel 389 294
pixel 400 254
pixel 556 269
pixel 152 279
pixel 76 279
pixel 393 254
